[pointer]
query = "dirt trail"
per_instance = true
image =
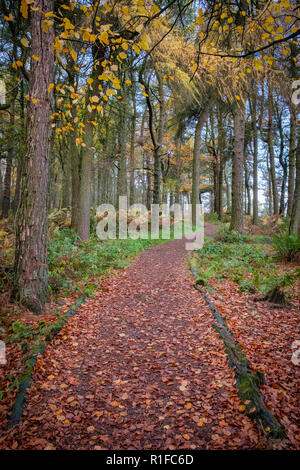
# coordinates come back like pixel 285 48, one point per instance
pixel 138 367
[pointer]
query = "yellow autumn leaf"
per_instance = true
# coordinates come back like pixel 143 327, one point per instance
pixel 110 92
pixel 24 42
pixel 9 17
pixel 136 49
pixel 199 19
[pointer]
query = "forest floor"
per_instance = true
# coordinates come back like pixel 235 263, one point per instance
pixel 140 366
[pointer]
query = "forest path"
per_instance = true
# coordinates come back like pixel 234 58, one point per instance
pixel 139 366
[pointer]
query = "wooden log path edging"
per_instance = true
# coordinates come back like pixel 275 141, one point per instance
pixel 31 360
pixel 248 381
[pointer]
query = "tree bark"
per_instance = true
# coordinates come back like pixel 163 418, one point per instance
pixel 271 148
pixel 132 143
pixel 255 162
pixel 178 170
pixel 295 218
pixel 75 183
pixel 220 164
pixel 9 159
pixel 196 158
pixel 237 222
pixel 122 140
pixel 247 187
pixel 21 152
pixel 284 165
pixel 31 271
pixel 292 155
pixel 66 180
pixel 84 193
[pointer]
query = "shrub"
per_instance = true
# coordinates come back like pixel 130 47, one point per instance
pixel 19 331
pixel 287 245
pixel 280 287
pixel 227 236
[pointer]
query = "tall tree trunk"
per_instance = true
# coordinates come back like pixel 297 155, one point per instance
pixel 292 155
pixel 122 140
pixel 215 179
pixel 294 74
pixel 284 166
pixel 156 136
pixel 220 163
pixel 283 188
pixel 132 142
pixel 196 158
pixel 228 191
pixel 178 170
pixel 66 195
pixel 247 188
pixel 9 159
pixel 149 181
pixel 237 223
pixel 270 199
pixel 255 162
pixel 84 193
pixel 75 162
pixel 159 141
pixel 31 271
pixel 295 218
pixel 271 148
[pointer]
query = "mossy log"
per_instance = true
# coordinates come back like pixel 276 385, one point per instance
pixel 30 363
pixel 248 381
pixel 31 360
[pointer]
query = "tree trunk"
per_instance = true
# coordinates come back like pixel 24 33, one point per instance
pixel 149 182
pixel 255 163
pixel 295 218
pixel 196 158
pixel 122 140
pixel 220 163
pixel 247 187
pixel 66 196
pixel 228 191
pixel 31 271
pixel 160 135
pixel 98 53
pixel 9 159
pixel 132 143
pixel 75 182
pixel 271 149
pixel 84 191
pixel 178 170
pixel 292 154
pixel 237 223
pixel 283 163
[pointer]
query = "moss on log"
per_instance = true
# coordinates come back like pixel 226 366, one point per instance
pixel 31 360
pixel 248 381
